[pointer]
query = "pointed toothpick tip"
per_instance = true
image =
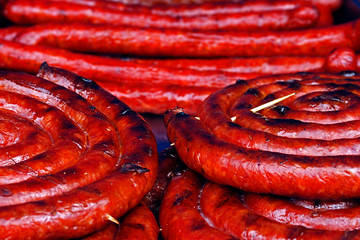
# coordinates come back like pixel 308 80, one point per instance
pixel 271 103
pixel 112 219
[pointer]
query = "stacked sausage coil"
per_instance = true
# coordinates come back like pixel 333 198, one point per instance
pixel 72 157
pixel 303 151
pixel 194 208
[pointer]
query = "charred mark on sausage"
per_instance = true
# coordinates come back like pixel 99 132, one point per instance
pixel 181 197
pixel 130 167
pixel 282 110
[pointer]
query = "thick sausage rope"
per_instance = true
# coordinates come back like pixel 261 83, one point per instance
pixel 194 208
pixel 58 194
pixel 306 146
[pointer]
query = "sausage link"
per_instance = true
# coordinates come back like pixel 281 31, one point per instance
pixel 169 166
pixel 131 88
pixel 52 181
pixel 22 57
pixel 23 159
pixel 317 101
pixel 139 223
pixel 149 2
pixel 345 216
pixel 181 43
pixel 332 4
pixel 266 65
pixel 18 146
pixel 110 232
pixel 117 71
pixel 85 205
pixel 319 174
pixel 193 9
pixel 224 208
pixel 341 59
pixel 179 217
pixel 158 99
pixel 196 209
pixel 106 70
pixel 32 12
pixel 133 73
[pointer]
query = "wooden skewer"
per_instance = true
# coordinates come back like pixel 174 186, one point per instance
pixel 266 105
pixel 112 219
pixel 271 103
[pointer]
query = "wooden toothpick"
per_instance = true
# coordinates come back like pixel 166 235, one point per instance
pixel 271 103
pixel 112 219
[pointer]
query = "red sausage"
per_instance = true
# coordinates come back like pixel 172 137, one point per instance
pixel 60 144
pixel 110 70
pixel 73 172
pixel 180 43
pixel 32 12
pixel 341 59
pixel 80 211
pixel 141 97
pixel 179 216
pixel 169 166
pixel 266 65
pixel 192 209
pixel 318 100
pixel 19 146
pixel 191 9
pixel 332 4
pixel 201 143
pixel 134 72
pixel 139 223
pixel 224 208
pixel 158 99
pixel 344 217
